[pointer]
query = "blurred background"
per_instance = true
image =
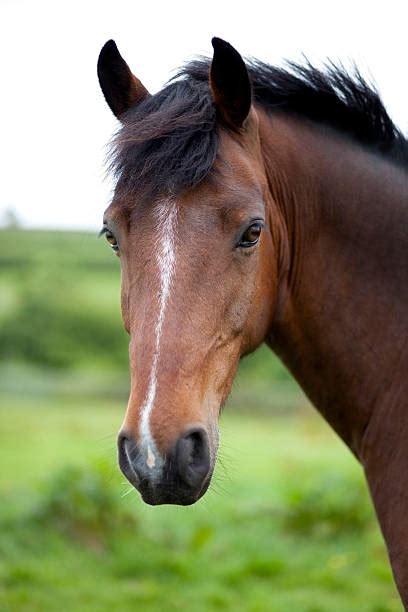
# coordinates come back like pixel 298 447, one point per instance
pixel 287 524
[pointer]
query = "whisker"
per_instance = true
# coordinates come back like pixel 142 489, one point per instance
pixel 127 492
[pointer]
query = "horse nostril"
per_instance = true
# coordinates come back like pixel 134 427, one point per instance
pixel 127 455
pixel 193 457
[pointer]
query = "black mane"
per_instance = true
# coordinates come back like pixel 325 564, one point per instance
pixel 168 143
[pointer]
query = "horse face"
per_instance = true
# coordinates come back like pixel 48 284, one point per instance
pixel 198 280
pixel 197 293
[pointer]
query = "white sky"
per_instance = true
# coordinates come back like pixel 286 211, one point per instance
pixel 54 123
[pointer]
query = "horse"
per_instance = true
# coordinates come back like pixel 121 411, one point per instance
pixel 257 204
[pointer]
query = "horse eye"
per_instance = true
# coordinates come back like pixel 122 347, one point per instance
pixel 112 240
pixel 251 235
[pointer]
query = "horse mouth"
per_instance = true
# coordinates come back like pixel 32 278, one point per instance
pixel 158 494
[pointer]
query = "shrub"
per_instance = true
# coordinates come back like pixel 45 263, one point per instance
pixel 50 330
pixel 328 506
pixel 83 503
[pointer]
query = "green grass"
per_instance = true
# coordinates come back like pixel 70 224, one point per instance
pixel 287 524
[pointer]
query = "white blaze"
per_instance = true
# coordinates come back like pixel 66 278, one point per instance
pixel 167 220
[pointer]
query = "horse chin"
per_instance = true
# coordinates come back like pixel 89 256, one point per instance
pixel 161 494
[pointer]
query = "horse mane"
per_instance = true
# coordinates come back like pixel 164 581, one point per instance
pixel 168 143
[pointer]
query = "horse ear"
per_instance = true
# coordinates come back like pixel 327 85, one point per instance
pixel 119 86
pixel 230 84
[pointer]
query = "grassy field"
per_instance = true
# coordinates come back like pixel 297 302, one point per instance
pixel 286 526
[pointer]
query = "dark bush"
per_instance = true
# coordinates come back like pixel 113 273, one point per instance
pixel 83 503
pixel 50 330
pixel 327 506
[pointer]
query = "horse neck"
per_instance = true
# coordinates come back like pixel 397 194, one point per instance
pixel 340 323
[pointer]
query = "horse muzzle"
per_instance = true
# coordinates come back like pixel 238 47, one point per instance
pixel 180 477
